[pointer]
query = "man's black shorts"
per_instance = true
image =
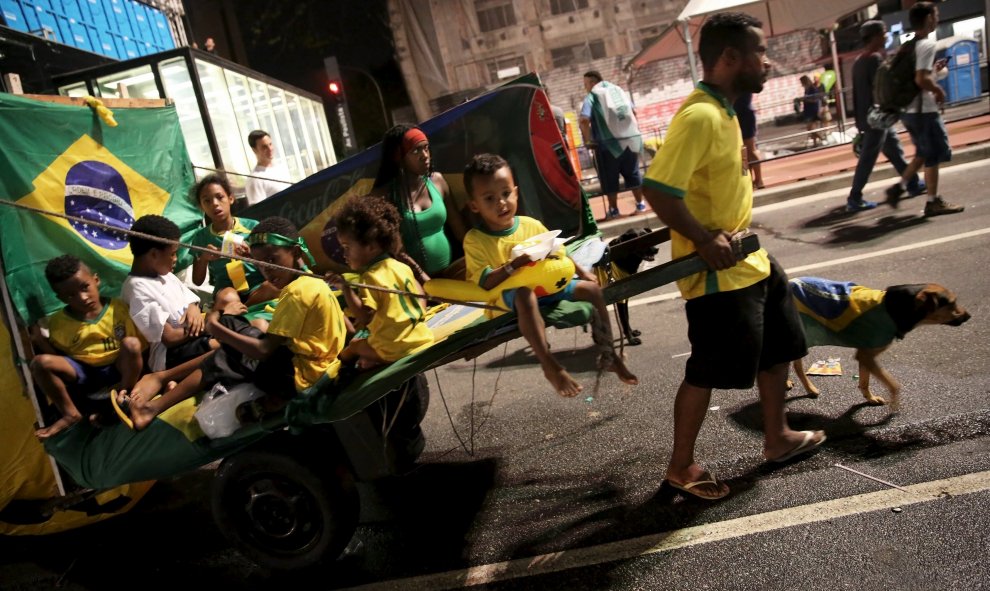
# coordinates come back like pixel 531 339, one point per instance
pixel 736 334
pixel 274 375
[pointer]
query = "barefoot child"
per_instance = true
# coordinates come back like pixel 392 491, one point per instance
pixel 493 196
pixel 232 280
pixel 92 343
pixel 368 231
pixel 305 335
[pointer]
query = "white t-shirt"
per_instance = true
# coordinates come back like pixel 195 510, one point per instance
pixel 155 301
pixel 275 178
pixel 924 59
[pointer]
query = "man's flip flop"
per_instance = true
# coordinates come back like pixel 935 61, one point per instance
pixel 706 478
pixel 121 409
pixel 807 444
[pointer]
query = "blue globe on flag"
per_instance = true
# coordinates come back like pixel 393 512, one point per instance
pixel 95 191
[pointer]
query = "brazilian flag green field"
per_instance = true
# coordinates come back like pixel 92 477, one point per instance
pixel 64 159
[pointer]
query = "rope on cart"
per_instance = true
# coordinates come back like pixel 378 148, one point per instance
pixel 239 257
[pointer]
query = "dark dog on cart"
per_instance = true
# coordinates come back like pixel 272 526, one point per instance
pixel 609 269
pixel 868 320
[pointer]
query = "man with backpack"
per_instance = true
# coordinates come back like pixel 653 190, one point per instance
pixel 874 139
pixel 609 125
pixel 921 117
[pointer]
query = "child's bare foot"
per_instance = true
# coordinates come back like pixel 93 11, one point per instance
pixel 136 414
pixel 562 382
pixel 142 414
pixel 616 366
pixel 57 427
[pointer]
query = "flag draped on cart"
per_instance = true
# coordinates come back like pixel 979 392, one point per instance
pixel 61 158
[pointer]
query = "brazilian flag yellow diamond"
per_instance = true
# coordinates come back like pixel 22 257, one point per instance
pixel 88 182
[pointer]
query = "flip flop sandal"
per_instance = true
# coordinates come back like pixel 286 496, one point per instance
pixel 706 478
pixel 122 409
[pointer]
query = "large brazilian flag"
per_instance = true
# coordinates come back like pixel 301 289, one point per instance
pixel 64 159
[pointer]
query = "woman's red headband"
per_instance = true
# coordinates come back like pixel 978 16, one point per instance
pixel 410 139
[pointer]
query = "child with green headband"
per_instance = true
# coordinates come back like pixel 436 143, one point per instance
pixel 368 231
pixel 305 336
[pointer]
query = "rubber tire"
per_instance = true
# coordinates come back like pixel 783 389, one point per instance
pixel 306 515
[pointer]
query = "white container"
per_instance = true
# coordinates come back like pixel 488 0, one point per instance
pixel 230 243
pixel 217 413
pixel 537 247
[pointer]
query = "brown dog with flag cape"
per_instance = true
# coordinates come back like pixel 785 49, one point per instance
pixel 848 315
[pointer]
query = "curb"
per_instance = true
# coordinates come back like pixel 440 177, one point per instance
pixel 839 180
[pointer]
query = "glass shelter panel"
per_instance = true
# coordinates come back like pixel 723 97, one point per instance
pixel 135 83
pixel 222 115
pixel 284 140
pixel 304 147
pixel 179 88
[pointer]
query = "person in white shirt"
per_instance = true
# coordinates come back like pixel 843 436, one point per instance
pixel 922 119
pixel 267 177
pixel 163 309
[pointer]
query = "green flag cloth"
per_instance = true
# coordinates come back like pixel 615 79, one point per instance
pixel 64 159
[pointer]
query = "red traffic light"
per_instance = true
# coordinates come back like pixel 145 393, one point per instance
pixel 334 88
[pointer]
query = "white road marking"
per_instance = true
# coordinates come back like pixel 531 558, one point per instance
pixel 792 272
pixel 692 536
pixel 680 355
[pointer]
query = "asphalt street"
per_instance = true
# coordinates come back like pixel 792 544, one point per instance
pixel 521 489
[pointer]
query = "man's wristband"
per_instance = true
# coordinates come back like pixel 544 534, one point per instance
pixel 509 268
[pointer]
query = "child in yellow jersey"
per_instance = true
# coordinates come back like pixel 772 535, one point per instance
pixel 493 196
pixel 92 344
pixel 368 231
pixel 306 333
pixel 232 280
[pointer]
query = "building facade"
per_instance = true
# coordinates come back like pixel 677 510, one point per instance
pixel 452 50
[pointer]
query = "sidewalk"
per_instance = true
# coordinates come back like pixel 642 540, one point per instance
pixel 811 172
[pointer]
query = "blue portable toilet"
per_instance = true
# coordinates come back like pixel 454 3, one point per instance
pixel 963 82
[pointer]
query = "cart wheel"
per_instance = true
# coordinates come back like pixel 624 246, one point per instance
pixel 283 513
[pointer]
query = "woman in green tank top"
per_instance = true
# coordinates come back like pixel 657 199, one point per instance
pixel 406 178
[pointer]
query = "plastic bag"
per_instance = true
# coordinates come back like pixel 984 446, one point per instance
pixel 217 413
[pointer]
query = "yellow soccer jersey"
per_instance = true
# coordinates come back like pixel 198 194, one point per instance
pixel 485 251
pixel 701 161
pixel 93 342
pixel 398 327
pixel 310 317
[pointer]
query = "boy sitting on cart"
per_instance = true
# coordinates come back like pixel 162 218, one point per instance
pixel 306 333
pixel 92 344
pixel 493 196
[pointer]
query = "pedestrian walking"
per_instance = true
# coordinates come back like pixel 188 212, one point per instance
pixel 609 125
pixel 747 125
pixel 874 140
pixel 922 118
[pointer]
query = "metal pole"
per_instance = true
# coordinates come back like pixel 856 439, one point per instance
pixel 838 81
pixel 11 318
pixel 690 49
pixel 381 97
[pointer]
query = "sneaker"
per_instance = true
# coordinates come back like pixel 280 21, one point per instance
pixel 612 213
pixel 894 193
pixel 939 206
pixel 920 189
pixel 852 206
pixel 640 207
